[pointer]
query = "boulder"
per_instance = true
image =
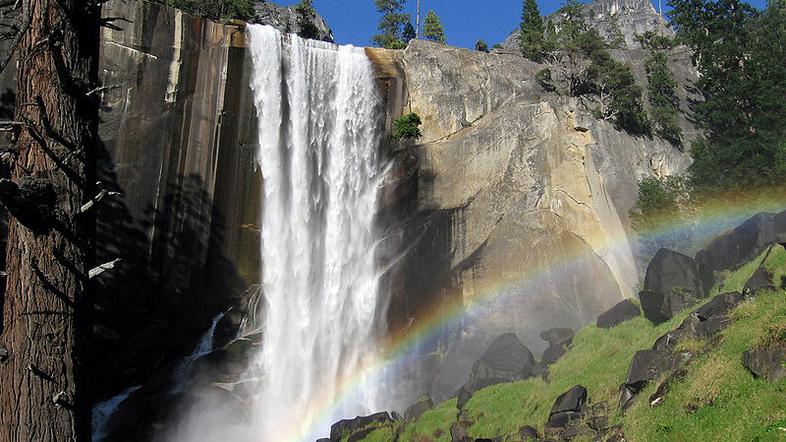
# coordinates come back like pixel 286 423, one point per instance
pixel 670 271
pixel 645 366
pixel 720 305
pixel 568 407
pixel 528 433
pixel 659 307
pixel 760 280
pixel 663 388
pixel 358 424
pixel 423 405
pixel 558 336
pixel 552 354
pixel 506 360
pixel 767 361
pixel 468 389
pixel 623 311
pixel 743 243
pixel 458 431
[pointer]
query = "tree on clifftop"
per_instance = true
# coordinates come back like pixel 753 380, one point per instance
pixel 47 306
pixel 305 19
pixel 739 54
pixel 432 28
pixel 531 38
pixel 391 25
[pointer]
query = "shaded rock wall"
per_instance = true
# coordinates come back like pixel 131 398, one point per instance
pixel 179 139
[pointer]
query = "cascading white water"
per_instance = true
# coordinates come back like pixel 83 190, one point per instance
pixel 319 135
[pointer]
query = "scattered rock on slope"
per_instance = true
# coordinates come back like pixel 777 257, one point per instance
pixel 624 311
pixel 767 361
pixel 423 405
pixel 704 322
pixel 743 243
pixel 558 336
pixel 359 426
pixel 673 282
pixel 760 280
pixel 506 360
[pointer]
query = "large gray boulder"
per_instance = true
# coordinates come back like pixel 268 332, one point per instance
pixel 506 360
pixel 670 271
pixel 740 245
pixel 624 311
pixel 673 282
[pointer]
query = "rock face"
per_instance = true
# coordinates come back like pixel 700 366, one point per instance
pixel 624 311
pixel 631 16
pixel 285 18
pixel 518 195
pixel 179 146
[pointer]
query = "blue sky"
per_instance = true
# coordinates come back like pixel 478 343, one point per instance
pixel 465 21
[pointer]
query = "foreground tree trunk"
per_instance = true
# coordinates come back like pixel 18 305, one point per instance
pixel 46 312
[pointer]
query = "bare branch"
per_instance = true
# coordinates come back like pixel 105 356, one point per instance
pixel 103 268
pixel 101 89
pixel 101 195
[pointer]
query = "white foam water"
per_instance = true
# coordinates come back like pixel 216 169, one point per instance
pixel 323 312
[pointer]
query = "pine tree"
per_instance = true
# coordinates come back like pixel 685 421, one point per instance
pixel 531 37
pixel 739 53
pixel 615 38
pixel 409 32
pixel 662 88
pixel 391 25
pixel 432 28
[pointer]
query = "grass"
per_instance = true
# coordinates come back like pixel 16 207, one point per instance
pixel 718 400
pixel 433 425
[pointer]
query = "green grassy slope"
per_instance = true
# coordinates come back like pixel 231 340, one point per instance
pixel 718 400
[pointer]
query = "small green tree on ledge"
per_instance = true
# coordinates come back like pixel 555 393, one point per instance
pixel 432 29
pixel 407 126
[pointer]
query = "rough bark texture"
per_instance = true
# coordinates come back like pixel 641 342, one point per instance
pixel 47 305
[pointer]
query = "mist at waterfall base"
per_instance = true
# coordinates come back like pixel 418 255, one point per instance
pixel 323 311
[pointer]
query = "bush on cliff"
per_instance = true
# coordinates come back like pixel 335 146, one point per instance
pixel 406 126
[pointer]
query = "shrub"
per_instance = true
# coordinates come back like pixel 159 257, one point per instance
pixel 658 198
pixel 544 78
pixel 481 46
pixel 407 126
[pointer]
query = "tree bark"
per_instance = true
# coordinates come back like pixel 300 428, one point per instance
pixel 46 312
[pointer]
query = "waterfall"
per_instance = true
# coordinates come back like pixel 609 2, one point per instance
pixel 319 135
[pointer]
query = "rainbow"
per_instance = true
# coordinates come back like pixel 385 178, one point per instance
pixel 704 222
